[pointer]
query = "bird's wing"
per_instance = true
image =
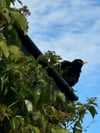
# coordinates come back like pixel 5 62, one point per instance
pixel 65 64
pixel 69 75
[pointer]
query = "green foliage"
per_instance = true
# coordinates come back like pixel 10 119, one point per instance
pixel 30 104
pixel 9 17
pixel 5 112
pixel 79 111
pixel 24 90
pixel 7 3
pixel 29 100
pixel 49 58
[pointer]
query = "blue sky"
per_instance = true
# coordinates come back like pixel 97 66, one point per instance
pixel 71 28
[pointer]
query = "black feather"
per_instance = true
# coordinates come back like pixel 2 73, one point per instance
pixel 71 71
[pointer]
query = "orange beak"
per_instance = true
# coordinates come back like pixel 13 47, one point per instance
pixel 85 62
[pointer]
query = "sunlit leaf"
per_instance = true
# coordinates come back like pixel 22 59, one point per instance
pixel 17 122
pixel 3 3
pixel 59 130
pixel 28 105
pixel 14 52
pixel 4 48
pixel 35 130
pixel 20 20
pixel 61 96
pixel 5 112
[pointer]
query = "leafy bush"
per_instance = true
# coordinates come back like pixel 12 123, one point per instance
pixel 29 103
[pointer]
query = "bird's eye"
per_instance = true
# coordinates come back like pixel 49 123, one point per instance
pixel 80 62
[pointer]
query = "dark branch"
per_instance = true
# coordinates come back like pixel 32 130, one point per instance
pixel 32 49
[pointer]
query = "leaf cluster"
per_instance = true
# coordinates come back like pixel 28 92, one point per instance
pixel 29 103
pixel 27 97
pixel 50 59
pixel 78 111
pixel 9 17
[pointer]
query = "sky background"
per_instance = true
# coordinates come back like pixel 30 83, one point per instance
pixel 71 28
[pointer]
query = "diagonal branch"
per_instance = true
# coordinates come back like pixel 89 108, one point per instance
pixel 32 49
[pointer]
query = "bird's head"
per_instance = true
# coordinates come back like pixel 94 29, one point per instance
pixel 79 62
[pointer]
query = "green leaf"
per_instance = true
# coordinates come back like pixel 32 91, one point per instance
pixel 92 111
pixel 20 20
pixel 5 15
pixel 17 122
pixel 78 125
pixel 28 129
pixel 28 105
pixel 92 101
pixel 5 112
pixel 61 96
pixel 43 121
pixel 82 112
pixel 2 3
pixel 11 36
pixel 59 130
pixel 14 52
pixel 35 130
pixel 4 48
pixel 43 59
pixel 14 49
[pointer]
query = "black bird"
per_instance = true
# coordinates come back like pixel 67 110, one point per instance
pixel 71 71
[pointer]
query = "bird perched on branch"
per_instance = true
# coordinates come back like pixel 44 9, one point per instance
pixel 71 71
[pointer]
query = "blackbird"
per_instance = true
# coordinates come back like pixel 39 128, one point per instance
pixel 71 70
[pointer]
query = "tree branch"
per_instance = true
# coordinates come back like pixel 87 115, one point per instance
pixel 31 49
